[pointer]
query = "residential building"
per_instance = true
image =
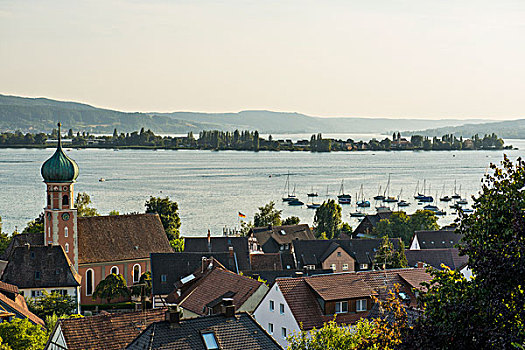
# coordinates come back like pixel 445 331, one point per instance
pixel 441 239
pixel 35 269
pixel 313 301
pixel 239 247
pixel 167 269
pixel 201 293
pixel 226 331
pixel 339 255
pixel 104 331
pixel 438 258
pixel 273 239
pixel 13 305
pixel 369 222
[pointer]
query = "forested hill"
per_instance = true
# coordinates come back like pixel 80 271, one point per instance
pixel 508 129
pixel 41 115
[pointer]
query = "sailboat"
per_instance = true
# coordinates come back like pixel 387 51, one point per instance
pixel 379 196
pixel 387 198
pixel 362 203
pixel 444 198
pixel 402 203
pixel 418 195
pixel 312 194
pixel 294 201
pixel 456 194
pixel 289 196
pixel 343 198
pixel 462 200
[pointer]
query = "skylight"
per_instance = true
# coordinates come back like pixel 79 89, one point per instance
pixel 210 341
pixel 187 279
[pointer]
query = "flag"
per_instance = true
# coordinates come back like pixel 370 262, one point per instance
pixel 241 215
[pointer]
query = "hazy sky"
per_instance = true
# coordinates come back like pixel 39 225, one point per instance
pixel 438 58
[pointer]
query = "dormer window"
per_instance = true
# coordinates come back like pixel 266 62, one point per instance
pixel 210 341
pixel 283 232
pixel 341 307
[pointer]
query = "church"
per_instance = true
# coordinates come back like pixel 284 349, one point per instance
pixel 95 246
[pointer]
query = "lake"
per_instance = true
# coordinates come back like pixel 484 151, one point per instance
pixel 212 187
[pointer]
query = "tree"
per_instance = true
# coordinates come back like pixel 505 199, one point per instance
pixel 389 258
pixel 114 213
pixel 267 215
pixel 35 226
pixel 52 303
pixel 487 311
pixel 423 220
pixel 52 320
pixel 291 220
pixel 169 217
pixel 22 334
pixel 82 203
pixel 113 286
pixel 327 219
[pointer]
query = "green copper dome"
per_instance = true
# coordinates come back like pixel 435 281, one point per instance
pixel 59 168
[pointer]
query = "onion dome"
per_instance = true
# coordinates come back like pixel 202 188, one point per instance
pixel 59 168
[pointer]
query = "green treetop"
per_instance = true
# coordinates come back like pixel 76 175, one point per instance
pixel 112 287
pixel 327 219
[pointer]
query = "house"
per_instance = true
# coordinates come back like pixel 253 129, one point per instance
pixel 313 301
pixel 35 269
pixel 167 269
pixel 101 245
pixel 13 305
pixel 202 292
pixel 369 222
pixel 273 239
pixel 441 239
pixel 226 331
pixel 239 246
pixel 437 257
pixel 339 255
pixel 21 240
pixel 104 331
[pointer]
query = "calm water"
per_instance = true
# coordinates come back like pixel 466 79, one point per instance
pixel 212 187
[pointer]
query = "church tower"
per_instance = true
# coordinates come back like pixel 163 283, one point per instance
pixel 60 219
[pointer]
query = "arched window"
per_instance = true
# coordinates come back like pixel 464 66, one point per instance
pixel 49 231
pixel 65 200
pixel 90 281
pixel 136 273
pixel 66 247
pixel 66 232
pixel 114 270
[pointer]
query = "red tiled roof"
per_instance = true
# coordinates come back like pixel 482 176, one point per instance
pixel 10 288
pixel 19 304
pixel 120 237
pixel 213 285
pixel 107 331
pixel 339 286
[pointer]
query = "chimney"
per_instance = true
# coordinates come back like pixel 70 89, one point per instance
pixel 420 264
pixel 230 250
pixel 209 241
pixel 228 308
pixel 173 315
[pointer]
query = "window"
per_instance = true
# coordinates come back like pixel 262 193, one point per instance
pixel 363 266
pixel 360 305
pixel 66 232
pixel 341 307
pixel 136 273
pixel 65 200
pixel 36 294
pixel 345 267
pixel 48 200
pixel 283 332
pixel 37 275
pixel 338 254
pixel 32 255
pixel 270 328
pixel 210 341
pixel 333 267
pixel 310 267
pixel 272 305
pixel 90 281
pixel 163 278
pixel 281 308
pixel 49 231
pixel 60 291
pixel 114 270
pixel 66 247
